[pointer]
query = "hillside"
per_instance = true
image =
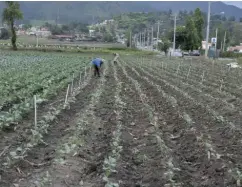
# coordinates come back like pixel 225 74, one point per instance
pixel 90 12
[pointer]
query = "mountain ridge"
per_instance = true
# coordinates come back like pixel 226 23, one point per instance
pixel 90 12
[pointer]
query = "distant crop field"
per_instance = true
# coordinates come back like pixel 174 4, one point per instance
pixel 147 121
pixel 31 40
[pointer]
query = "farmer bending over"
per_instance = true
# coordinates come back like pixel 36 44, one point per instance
pixel 115 58
pixel 97 63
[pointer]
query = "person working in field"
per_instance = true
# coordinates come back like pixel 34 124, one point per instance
pixel 97 63
pixel 115 58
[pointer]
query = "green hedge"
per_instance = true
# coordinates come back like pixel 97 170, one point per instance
pixel 229 54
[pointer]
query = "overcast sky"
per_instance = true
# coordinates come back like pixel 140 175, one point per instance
pixel 235 3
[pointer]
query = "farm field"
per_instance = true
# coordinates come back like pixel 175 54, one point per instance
pixel 147 121
pixel 32 41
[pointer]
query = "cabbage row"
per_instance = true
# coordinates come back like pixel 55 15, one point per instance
pixel 25 74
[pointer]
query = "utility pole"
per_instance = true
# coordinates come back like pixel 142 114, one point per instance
pixel 148 39
pixel 130 38
pixel 224 40
pixel 140 38
pixel 144 38
pixel 216 42
pixel 37 40
pixel 207 34
pixel 174 36
pixel 158 32
pixel 152 36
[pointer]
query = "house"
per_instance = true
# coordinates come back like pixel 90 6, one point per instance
pixel 21 26
pixel 43 33
pixel 236 48
pixel 204 45
pixel 33 29
pixel 21 32
pixel 91 32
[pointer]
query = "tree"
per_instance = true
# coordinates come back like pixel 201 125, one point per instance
pixel 199 22
pixel 11 13
pixel 127 36
pixel 180 36
pixel 240 19
pixel 232 18
pixel 192 38
pixel 224 18
pixel 108 37
pixel 27 26
pixel 164 46
pixel 169 12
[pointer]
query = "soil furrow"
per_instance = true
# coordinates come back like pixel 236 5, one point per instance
pixel 230 113
pixel 43 153
pixel 14 136
pixel 141 162
pixel 200 163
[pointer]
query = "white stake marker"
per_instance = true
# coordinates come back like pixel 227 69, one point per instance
pixel 67 93
pixel 35 112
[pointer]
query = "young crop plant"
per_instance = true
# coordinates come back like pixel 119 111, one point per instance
pixel 28 77
pixel 186 95
pixel 86 117
pixel 38 131
pixel 110 162
pixel 164 150
pixel 44 181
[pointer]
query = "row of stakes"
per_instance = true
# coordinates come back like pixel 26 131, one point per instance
pixel 188 73
pixel 69 87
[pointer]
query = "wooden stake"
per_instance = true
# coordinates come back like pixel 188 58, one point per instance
pixel 35 112
pixel 188 72
pixel 177 69
pixel 213 66
pixel 85 72
pixel 72 83
pixel 202 77
pixel 67 93
pixel 221 85
pixel 80 79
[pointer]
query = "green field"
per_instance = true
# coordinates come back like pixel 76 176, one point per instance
pixel 31 40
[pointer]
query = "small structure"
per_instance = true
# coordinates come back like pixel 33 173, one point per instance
pixel 91 32
pixel 204 45
pixel 4 34
pixel 235 48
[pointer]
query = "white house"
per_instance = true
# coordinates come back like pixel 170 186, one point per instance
pixel 91 32
pixel 204 45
